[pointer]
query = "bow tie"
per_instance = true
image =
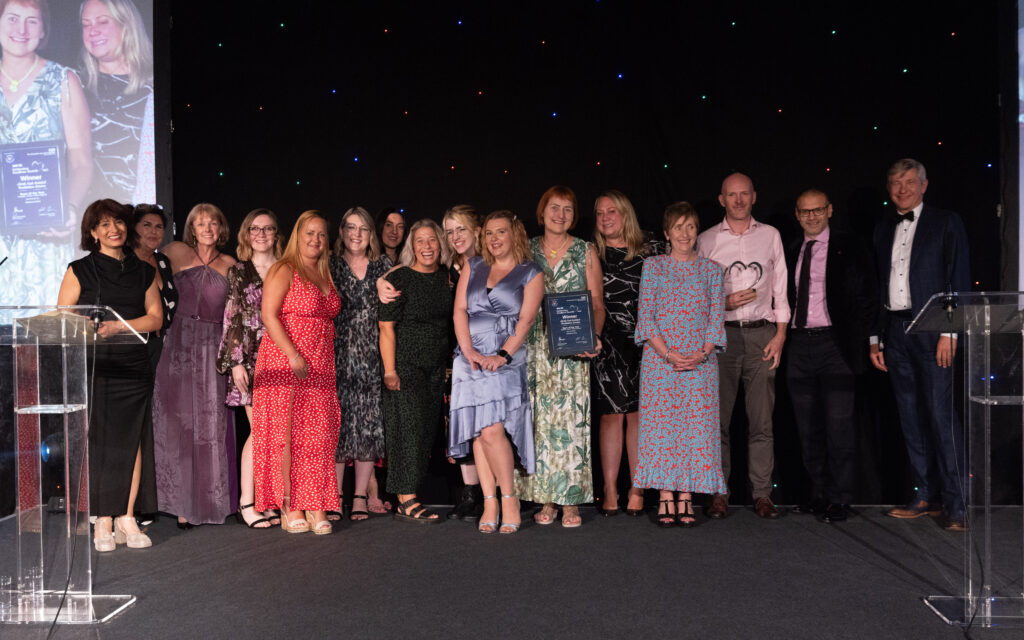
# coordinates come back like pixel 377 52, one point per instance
pixel 904 217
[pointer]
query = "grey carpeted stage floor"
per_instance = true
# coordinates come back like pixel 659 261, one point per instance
pixel 613 578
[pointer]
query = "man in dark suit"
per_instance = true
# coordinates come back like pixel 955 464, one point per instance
pixel 921 251
pixel 834 300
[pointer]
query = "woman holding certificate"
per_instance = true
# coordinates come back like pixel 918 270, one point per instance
pixel 496 302
pixel 680 324
pixel 560 387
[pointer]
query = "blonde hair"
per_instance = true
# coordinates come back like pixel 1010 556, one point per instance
pixel 136 49
pixel 520 243
pixel 373 250
pixel 244 251
pixel 408 255
pixel 189 235
pixel 291 256
pixel 465 215
pixel 630 227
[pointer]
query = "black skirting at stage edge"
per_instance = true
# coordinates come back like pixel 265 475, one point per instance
pixel 613 578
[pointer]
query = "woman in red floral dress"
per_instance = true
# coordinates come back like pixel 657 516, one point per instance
pixel 295 403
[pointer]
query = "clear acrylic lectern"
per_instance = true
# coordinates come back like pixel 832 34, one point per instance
pixel 991 328
pixel 46 575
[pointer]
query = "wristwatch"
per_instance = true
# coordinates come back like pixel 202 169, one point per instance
pixel 504 354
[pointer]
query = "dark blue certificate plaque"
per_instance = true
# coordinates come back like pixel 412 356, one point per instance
pixel 31 176
pixel 570 320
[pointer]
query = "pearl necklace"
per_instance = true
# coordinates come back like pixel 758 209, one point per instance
pixel 15 83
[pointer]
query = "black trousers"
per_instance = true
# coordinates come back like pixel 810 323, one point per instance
pixel 822 386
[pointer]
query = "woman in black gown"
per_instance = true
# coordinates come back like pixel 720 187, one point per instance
pixel 621 247
pixel 121 470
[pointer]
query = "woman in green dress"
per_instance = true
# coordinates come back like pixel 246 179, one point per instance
pixel 560 387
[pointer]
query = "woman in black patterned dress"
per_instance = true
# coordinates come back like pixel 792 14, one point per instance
pixel 147 236
pixel 355 267
pixel 622 247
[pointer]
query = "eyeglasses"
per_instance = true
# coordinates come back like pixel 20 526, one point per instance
pixel 255 231
pixel 812 213
pixel 351 228
pixel 457 231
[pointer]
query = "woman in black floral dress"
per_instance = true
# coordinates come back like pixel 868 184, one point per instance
pixel 355 267
pixel 259 246
pixel 621 247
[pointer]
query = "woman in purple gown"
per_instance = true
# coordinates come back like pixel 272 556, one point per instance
pixel 193 465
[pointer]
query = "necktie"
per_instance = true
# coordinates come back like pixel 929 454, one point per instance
pixel 804 286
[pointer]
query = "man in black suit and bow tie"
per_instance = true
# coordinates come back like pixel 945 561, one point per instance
pixel 833 294
pixel 920 252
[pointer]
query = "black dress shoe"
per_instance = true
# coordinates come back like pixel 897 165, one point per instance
pixel 185 525
pixel 815 507
pixel 836 513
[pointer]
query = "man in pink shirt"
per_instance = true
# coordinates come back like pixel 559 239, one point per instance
pixel 834 297
pixel 756 315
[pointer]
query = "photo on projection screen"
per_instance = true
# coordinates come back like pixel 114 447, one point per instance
pixel 76 125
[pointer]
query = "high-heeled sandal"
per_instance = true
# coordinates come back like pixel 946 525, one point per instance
pixel 319 527
pixel 252 525
pixel 340 513
pixel 358 512
pixel 298 525
pixel 686 517
pixel 493 526
pixel 137 540
pixel 666 520
pixel 510 527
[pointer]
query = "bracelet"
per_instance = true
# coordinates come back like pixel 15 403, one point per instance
pixel 504 354
pixel 665 357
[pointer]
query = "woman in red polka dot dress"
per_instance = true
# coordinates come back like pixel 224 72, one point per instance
pixel 295 403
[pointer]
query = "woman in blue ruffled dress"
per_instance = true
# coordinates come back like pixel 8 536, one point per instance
pixel 496 303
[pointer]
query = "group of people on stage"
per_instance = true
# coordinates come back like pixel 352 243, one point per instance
pixel 355 357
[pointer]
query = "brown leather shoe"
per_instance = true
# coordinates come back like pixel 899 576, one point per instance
pixel 914 509
pixel 719 507
pixel 765 509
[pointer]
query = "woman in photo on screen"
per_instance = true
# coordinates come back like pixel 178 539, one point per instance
pixel 415 352
pixel 121 470
pixel 189 417
pixel 40 101
pixel 295 398
pixel 560 387
pixel 148 232
pixel 615 373
pixel 680 325
pixel 355 267
pixel 496 303
pixel 259 247
pixel 117 71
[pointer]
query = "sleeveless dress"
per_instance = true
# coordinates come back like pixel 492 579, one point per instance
pixel 357 361
pixel 193 468
pixel 680 434
pixel 482 398
pixel 117 126
pixel 560 395
pixel 310 405
pixel 615 371
pixel 120 414
pixel 36 265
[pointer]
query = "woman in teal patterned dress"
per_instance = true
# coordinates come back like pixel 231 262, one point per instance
pixel 40 101
pixel 560 387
